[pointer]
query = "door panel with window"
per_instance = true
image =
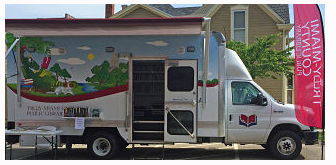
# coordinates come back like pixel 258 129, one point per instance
pixel 248 120
pixel 180 100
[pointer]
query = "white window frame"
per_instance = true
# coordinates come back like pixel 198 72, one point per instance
pixel 237 8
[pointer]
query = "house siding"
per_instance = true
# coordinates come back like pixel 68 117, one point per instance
pixel 272 86
pixel 141 13
pixel 260 24
pixel 221 21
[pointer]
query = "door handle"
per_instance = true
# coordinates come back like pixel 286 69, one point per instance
pixel 278 111
pixel 192 102
pixel 230 118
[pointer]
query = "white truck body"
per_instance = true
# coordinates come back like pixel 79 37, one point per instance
pixel 185 108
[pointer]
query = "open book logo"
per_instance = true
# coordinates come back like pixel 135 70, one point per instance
pixel 247 121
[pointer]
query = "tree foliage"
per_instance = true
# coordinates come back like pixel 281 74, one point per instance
pixel 65 74
pixel 261 60
pixel 38 43
pixel 102 75
pixel 56 69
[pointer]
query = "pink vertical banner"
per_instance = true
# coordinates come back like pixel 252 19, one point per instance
pixel 309 65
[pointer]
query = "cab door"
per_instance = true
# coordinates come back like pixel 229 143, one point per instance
pixel 248 120
pixel 180 101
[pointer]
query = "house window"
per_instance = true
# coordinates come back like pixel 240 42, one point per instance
pixel 239 23
pixel 239 27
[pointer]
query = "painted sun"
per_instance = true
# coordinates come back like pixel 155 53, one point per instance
pixel 90 56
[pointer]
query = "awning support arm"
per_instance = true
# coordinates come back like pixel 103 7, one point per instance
pixel 10 49
pixel 206 59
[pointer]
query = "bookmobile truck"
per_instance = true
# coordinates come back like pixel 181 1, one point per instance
pixel 140 81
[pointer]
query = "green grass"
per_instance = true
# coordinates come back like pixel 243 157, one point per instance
pixel 320 136
pixel 76 90
pixel 102 86
pixel 12 86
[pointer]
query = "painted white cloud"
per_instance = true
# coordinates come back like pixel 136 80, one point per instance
pixel 57 51
pixel 72 61
pixel 84 48
pixel 157 43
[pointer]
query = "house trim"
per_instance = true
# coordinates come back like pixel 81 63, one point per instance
pixel 213 11
pixel 287 27
pixel 240 8
pixel 272 14
pixel 133 7
pixel 264 7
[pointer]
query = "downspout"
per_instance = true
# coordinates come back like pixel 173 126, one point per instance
pixel 18 64
pixel 284 78
pixel 206 59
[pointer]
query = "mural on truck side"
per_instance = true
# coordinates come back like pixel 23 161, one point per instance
pixel 76 68
pixel 51 77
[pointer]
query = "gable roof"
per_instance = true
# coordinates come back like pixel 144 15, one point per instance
pixel 167 8
pixel 281 11
pixel 133 7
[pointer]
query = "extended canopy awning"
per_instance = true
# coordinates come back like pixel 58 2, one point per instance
pixel 110 26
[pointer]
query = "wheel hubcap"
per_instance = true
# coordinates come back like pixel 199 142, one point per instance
pixel 286 145
pixel 101 146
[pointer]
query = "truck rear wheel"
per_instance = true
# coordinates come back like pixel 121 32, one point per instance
pixel 103 145
pixel 285 145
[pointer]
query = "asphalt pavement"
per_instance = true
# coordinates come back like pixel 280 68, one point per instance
pixel 179 151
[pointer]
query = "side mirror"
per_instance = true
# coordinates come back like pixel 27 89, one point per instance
pixel 261 100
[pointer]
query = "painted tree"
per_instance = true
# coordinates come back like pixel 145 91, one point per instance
pixel 101 73
pixel 65 74
pixel 56 69
pixel 263 61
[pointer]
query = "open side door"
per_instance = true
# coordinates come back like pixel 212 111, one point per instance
pixel 180 101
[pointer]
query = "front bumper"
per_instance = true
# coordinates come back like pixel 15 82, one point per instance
pixel 310 137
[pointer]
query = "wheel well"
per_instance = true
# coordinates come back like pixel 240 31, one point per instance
pixel 291 127
pixel 89 131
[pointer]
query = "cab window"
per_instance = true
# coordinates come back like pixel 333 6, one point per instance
pixel 243 93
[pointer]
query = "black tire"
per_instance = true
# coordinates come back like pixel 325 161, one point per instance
pixel 122 144
pixel 68 147
pixel 103 145
pixel 285 145
pixel 265 146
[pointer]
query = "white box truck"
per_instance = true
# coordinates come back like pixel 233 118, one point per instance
pixel 140 81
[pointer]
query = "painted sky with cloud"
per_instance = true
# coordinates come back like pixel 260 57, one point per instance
pixel 157 43
pixel 79 66
pixel 72 61
pixel 84 48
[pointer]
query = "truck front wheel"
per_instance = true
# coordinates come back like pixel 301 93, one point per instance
pixel 103 145
pixel 285 145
